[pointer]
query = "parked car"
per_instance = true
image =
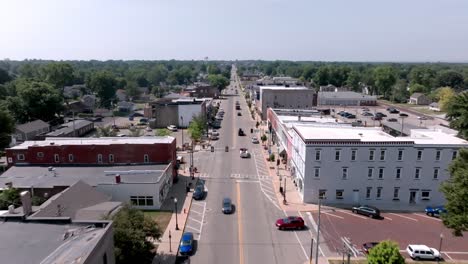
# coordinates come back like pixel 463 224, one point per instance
pixel 367 114
pixel 350 116
pixel 435 211
pixel 213 137
pixel 380 114
pixel 199 192
pixel 148 129
pixel 186 244
pixel 376 118
pixel 255 140
pixel 393 110
pixel 368 246
pixel 241 132
pixel 227 206
pixel 214 132
pixel 403 115
pixel 291 222
pixel 422 118
pixel 392 120
pixel 418 252
pixel 367 211
pixel 244 153
pixel 365 109
pixel 238 107
pixel 172 128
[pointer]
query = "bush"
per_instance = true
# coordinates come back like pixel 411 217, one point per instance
pixel 386 252
pixel 272 157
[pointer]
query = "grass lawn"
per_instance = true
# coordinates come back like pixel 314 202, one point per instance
pixel 363 261
pixel 162 218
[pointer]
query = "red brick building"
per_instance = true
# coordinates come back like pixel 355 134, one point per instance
pixel 94 151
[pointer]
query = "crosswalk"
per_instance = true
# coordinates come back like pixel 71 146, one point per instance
pixel 249 176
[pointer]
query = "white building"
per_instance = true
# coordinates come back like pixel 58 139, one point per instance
pixel 348 165
pixel 284 97
pixel 345 98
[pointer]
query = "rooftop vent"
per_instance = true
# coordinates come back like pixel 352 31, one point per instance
pixel 360 134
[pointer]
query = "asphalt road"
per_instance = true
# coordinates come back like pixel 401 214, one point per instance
pixel 248 235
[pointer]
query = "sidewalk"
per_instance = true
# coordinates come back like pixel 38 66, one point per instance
pixel 168 247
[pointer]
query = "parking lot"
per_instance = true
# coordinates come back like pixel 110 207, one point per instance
pixel 404 228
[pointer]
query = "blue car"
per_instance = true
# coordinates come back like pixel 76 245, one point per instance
pixel 435 211
pixel 186 244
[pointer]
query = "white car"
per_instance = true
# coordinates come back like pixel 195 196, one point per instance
pixel 255 140
pixel 148 129
pixel 244 153
pixel 172 128
pixel 213 133
pixel 214 137
pixel 422 252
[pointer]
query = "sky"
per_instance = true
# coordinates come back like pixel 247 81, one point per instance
pixel 302 30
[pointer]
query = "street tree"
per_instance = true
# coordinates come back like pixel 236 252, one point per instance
pixel 58 74
pixel 386 252
pixel 457 113
pixel 104 84
pixel 197 127
pixel 263 138
pixel 445 95
pixel 106 131
pixel 162 132
pixel 385 78
pixel 455 190
pixel 6 128
pixel 218 81
pixel 132 230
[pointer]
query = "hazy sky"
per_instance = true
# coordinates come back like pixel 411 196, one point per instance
pixel 330 30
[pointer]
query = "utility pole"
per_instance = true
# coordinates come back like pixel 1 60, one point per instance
pixel 284 191
pixel 311 251
pixel 318 231
pixel 182 130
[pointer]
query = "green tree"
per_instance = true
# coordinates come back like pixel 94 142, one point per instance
pixel 58 74
pixel 4 76
pixel 106 131
pixel 218 81
pixel 104 84
pixel 385 78
pixel 386 252
pixel 450 78
pixel 197 127
pixel 353 81
pixel 399 92
pixel 457 113
pixel 131 89
pixel 422 75
pixel 10 196
pixel 132 228
pixel 445 95
pixel 157 74
pixel 417 88
pixel 6 129
pixel 322 76
pixel 455 190
pixel 162 132
pixel 263 138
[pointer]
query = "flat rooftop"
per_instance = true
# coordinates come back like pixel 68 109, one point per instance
pixel 42 177
pixel 28 242
pixel 95 141
pixel 375 134
pixel 345 95
pixel 283 88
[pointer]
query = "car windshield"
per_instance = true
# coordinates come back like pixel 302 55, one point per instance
pixel 226 204
pixel 187 242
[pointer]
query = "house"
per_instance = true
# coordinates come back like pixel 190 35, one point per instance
pixel 419 99
pixel 125 106
pixel 30 130
pixel 345 98
pixel 434 107
pixel 73 91
pixel 121 94
pixel 89 100
pixel 78 107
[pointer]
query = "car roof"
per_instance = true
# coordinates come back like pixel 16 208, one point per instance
pixel 419 247
pixel 226 199
pixel 187 236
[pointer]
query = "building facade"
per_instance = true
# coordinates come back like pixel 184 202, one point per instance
pixel 349 166
pixel 345 98
pixel 178 112
pixel 30 130
pixel 284 97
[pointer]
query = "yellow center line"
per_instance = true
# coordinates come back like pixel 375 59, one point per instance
pixel 239 225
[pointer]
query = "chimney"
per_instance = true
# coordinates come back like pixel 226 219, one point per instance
pixel 117 178
pixel 26 201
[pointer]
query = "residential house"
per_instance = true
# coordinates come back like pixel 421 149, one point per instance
pixel 89 100
pixel 419 99
pixel 30 130
pixel 125 106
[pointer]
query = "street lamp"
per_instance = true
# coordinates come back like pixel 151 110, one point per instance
pixel 175 205
pixel 440 247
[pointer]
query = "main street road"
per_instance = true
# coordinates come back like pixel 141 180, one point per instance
pixel 248 235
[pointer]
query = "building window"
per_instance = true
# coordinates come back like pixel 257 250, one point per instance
pixel 382 155
pixel 142 200
pixel 99 158
pixel 381 173
pixel 20 156
pixel 370 173
pixel 419 157
pixel 371 154
pixel 425 195
pixel 104 258
pixel 337 155
pixel 70 157
pixel 436 173
pixel 146 158
pixel 322 194
pixel 353 155
pixel 396 193
pixel 368 192
pixel 56 158
pixel 417 173
pixel 400 155
pixel 437 158
pixel 317 172
pixel 379 193
pixel 398 173
pixel 317 155
pixel 40 154
pixel 345 173
pixel 111 157
pixel 454 155
pixel 339 194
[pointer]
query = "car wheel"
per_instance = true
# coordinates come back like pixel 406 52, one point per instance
pixel 416 258
pixel 354 211
pixel 432 214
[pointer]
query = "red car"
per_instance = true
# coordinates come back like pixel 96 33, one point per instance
pixel 291 222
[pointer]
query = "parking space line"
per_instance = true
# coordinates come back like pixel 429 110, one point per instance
pixel 409 218
pixel 196 212
pixel 353 214
pixel 200 204
pixel 430 217
pixel 193 228
pixel 447 255
pixel 314 225
pixel 203 219
pixel 333 215
pixel 386 217
pixel 200 222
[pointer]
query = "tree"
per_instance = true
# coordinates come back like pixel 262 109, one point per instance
pixel 162 132
pixel 131 89
pixel 399 92
pixel 353 80
pixel 385 78
pixel 132 228
pixel 455 190
pixel 10 196
pixel 58 74
pixel 445 95
pixel 4 76
pixel 417 88
pixel 457 113
pixel 422 75
pixel 7 127
pixel 106 131
pixel 386 252
pixel 157 74
pixel 104 84
pixel 197 127
pixel 450 78
pixel 218 81
pixel 263 138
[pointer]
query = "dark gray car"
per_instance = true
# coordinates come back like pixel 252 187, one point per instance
pixel 227 206
pixel 367 211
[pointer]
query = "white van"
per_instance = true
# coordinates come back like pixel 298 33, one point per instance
pixel 422 252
